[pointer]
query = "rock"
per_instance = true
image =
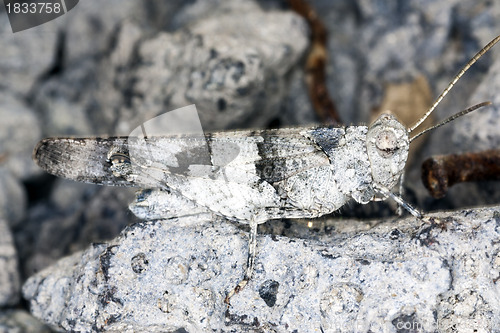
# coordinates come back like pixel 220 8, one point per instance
pixel 231 64
pixel 479 131
pixel 12 199
pixel 77 215
pixel 26 55
pixel 20 321
pixel 371 44
pixel 234 73
pixel 87 28
pixel 9 277
pixel 19 132
pixel 159 276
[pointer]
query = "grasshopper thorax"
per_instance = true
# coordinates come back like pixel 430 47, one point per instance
pixel 387 146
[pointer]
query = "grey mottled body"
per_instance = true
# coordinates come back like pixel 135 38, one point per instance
pixel 247 175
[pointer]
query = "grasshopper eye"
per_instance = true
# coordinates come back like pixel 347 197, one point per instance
pixel 386 143
pixel 119 160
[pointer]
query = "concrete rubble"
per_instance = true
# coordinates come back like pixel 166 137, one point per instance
pixel 165 276
pixel 10 283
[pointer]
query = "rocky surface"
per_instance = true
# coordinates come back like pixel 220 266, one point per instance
pixel 21 126
pixel 163 276
pixel 106 69
pixel 21 321
pixel 230 64
pixel 74 217
pixel 10 282
pixel 12 198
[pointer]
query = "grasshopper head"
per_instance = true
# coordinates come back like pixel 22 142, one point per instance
pixel 387 146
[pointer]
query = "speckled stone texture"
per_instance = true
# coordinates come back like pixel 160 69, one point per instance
pixel 10 283
pixel 162 276
pixel 20 321
pixel 232 62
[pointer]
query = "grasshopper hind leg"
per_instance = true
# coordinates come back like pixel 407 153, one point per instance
pixel 154 204
pixel 252 245
pixel 163 204
pixel 399 211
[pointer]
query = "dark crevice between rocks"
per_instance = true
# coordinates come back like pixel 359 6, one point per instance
pixel 39 188
pixel 55 69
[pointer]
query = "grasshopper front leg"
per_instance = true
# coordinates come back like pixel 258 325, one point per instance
pixel 387 193
pixel 402 203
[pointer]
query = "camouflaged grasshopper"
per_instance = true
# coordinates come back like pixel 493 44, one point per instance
pixel 248 176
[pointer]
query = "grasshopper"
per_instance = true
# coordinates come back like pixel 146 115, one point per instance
pixel 249 176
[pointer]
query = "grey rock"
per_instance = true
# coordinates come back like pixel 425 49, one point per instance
pixel 232 65
pixel 161 15
pixel 59 106
pixel 88 27
pixel 234 73
pixel 71 101
pixel 19 132
pixel 12 198
pixel 26 55
pixel 163 276
pixel 10 282
pixel 20 321
pixel 481 130
pixel 371 44
pixel 76 215
pixel 297 108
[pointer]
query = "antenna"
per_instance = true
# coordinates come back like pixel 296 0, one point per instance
pixel 447 120
pixel 452 83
